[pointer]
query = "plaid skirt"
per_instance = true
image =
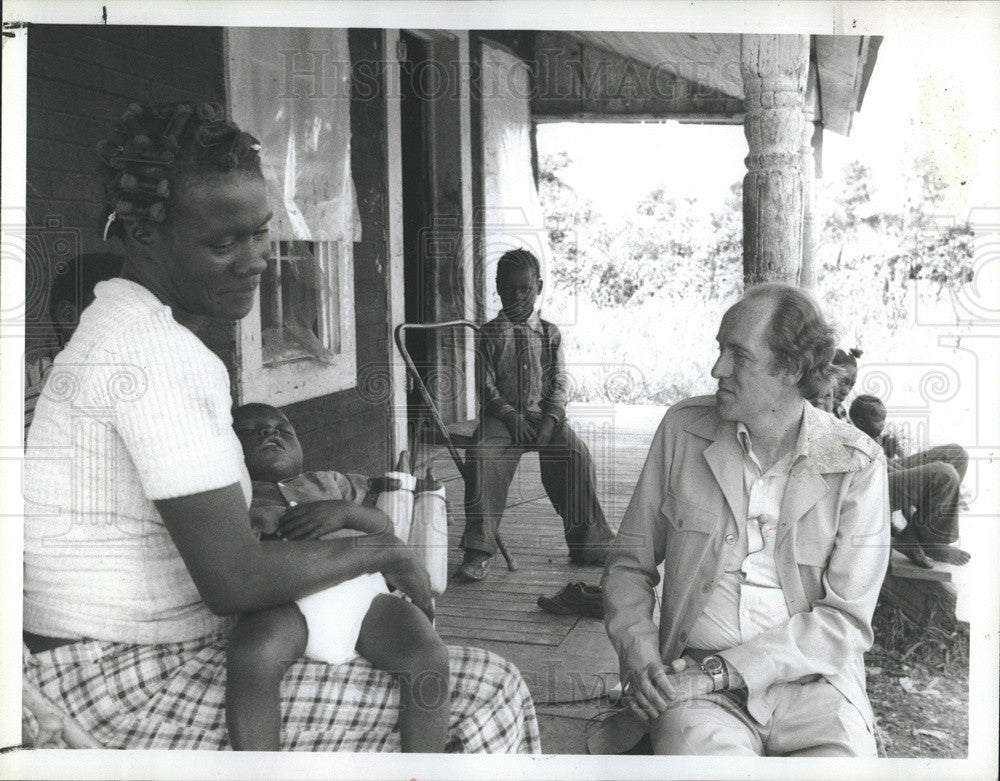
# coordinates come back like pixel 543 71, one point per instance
pixel 172 696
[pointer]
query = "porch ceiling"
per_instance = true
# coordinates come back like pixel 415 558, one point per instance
pixel 844 64
pixel 711 60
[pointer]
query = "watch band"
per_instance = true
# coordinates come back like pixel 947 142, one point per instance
pixel 715 668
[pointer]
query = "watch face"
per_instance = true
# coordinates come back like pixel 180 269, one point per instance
pixel 712 664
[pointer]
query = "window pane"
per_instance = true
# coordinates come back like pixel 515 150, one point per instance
pixel 300 310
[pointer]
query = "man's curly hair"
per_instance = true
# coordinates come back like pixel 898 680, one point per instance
pixel 802 341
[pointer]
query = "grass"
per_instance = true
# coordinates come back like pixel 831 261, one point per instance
pixel 656 352
pixel 918 684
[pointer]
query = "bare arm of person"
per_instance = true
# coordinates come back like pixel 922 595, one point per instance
pixel 236 573
pixel 313 520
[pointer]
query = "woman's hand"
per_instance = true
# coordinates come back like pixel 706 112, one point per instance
pixel 409 575
pixel 315 520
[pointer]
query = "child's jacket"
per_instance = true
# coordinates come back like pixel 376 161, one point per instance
pixel 520 368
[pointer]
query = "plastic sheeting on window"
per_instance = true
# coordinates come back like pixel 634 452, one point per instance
pixel 294 322
pixel 290 87
pixel 513 215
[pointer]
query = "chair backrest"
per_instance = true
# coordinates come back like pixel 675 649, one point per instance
pixel 71 291
pixel 36 368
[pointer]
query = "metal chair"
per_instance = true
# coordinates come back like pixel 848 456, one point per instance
pixel 442 429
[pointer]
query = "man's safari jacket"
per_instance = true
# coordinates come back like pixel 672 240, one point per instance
pixel 831 552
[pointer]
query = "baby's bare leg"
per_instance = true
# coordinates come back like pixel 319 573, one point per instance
pixel 260 648
pixel 398 638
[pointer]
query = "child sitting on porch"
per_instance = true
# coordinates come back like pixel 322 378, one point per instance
pixel 924 487
pixel 521 387
pixel 357 617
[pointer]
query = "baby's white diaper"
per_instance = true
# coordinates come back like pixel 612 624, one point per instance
pixel 334 617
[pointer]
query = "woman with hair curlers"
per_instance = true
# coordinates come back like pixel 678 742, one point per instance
pixel 138 548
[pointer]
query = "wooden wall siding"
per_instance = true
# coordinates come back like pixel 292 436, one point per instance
pixel 81 78
pixel 575 80
pixel 349 430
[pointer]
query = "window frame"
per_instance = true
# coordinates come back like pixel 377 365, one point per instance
pixel 305 377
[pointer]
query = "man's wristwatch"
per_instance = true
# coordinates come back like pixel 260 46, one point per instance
pixel 715 668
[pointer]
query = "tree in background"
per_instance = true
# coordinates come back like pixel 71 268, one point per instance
pixel 674 265
pixel 629 293
pixel 867 238
pixel 667 247
pixel 724 254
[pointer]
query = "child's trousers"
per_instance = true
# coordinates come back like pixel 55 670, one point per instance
pixel 568 476
pixel 930 481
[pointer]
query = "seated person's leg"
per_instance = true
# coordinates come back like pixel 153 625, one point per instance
pixel 953 454
pixel 713 725
pixel 398 638
pixel 933 490
pixel 906 495
pixel 928 496
pixel 490 465
pixel 570 480
pixel 816 720
pixel 260 647
pixel 936 522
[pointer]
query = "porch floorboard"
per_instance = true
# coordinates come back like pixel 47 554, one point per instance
pixel 566 661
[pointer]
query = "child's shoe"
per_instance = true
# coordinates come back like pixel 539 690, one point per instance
pixel 475 566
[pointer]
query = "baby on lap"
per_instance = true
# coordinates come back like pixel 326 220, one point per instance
pixel 357 617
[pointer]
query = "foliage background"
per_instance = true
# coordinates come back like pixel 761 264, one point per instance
pixel 640 295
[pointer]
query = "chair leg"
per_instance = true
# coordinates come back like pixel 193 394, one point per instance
pixel 511 561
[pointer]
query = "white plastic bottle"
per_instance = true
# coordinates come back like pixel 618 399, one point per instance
pixel 398 503
pixel 429 531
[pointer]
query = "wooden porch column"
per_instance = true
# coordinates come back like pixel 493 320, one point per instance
pixel 812 150
pixel 774 70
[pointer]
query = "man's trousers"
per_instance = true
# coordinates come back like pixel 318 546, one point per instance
pixel 810 719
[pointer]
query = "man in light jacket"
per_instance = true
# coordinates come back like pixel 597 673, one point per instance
pixel 771 521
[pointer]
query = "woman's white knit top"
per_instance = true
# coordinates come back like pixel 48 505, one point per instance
pixel 135 409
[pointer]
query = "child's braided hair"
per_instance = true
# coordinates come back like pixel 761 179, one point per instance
pixel 847 359
pixel 151 148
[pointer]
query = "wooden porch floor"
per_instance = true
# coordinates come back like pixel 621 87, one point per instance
pixel 566 661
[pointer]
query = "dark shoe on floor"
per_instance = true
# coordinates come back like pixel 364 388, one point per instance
pixel 575 598
pixel 475 567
